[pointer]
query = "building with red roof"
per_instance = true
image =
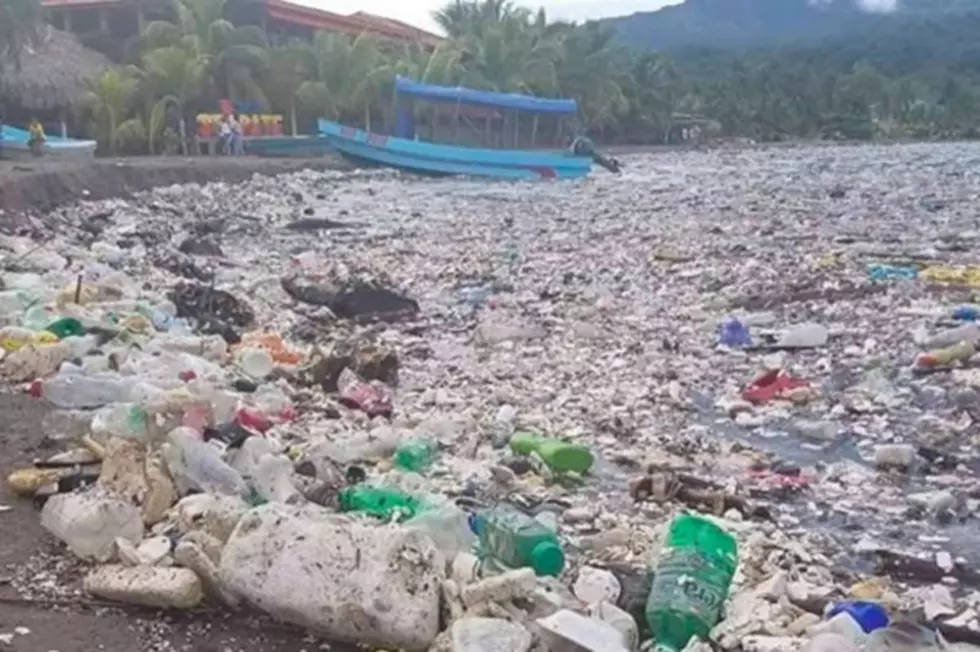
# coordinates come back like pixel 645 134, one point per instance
pixel 122 19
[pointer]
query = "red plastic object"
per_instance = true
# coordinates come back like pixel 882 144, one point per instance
pixel 373 400
pixel 35 388
pixel 252 419
pixel 187 375
pixel 771 385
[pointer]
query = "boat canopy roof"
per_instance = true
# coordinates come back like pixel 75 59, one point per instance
pixel 472 97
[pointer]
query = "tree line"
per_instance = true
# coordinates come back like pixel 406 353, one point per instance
pixel 183 66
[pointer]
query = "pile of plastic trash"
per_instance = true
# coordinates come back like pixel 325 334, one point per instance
pixel 436 429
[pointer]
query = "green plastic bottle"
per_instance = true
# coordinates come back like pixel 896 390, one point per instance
pixel 516 540
pixel 66 327
pixel 416 454
pixel 691 582
pixel 560 456
pixel 380 502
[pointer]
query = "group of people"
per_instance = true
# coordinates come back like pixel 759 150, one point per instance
pixel 231 136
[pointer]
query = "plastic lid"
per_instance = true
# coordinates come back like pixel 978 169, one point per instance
pixel 547 559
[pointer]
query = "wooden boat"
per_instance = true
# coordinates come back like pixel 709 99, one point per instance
pixel 288 146
pixel 406 152
pixel 13 147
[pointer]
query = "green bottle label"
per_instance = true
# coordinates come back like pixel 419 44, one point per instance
pixel 688 582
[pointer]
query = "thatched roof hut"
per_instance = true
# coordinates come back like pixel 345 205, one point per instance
pixel 53 72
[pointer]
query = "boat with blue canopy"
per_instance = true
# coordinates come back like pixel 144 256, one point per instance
pixel 491 134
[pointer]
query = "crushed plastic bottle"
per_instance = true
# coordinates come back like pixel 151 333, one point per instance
pixel 416 454
pixel 381 502
pixel 195 464
pixel 273 480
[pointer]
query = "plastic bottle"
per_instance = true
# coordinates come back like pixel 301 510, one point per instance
pixel 733 333
pixel 66 327
pixel 80 390
pixel 416 454
pixel 560 456
pixel 903 637
pixel 691 582
pixel 209 347
pixel 966 313
pixel 516 540
pixel 830 642
pixel 197 465
pixel 121 420
pixel 273 480
pixel 448 527
pixel 969 332
pixel 941 357
pixel 868 615
pixel 381 502
pixel 16 337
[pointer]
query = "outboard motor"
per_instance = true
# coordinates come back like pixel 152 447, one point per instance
pixel 582 146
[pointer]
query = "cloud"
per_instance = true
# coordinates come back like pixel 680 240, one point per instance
pixel 878 6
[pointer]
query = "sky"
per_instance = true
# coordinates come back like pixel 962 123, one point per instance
pixel 418 12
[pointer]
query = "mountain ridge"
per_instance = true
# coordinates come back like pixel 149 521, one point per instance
pixel 764 23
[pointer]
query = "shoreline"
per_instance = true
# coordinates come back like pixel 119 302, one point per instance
pixel 47 184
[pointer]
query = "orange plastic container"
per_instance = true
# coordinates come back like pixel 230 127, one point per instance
pixel 274 344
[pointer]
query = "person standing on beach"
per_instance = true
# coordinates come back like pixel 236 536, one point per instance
pixel 225 135
pixel 36 137
pixel 237 136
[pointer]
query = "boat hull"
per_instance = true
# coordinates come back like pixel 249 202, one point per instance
pixel 13 147
pixel 288 146
pixel 419 157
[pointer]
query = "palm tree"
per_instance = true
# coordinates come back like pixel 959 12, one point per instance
pixel 233 57
pixel 109 101
pixel 441 65
pixel 348 77
pixel 471 18
pixel 173 77
pixel 513 55
pixel 19 20
pixel 594 71
pixel 290 66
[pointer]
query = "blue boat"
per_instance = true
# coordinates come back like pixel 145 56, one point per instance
pixel 13 147
pixel 288 146
pixel 406 152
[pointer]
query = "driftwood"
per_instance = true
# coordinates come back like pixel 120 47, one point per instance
pixel 694 492
pixel 922 570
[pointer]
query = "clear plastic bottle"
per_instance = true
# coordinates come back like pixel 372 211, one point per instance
pixel 448 526
pixel 197 465
pixel 273 480
pixel 830 642
pixel 80 390
pixel 121 420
